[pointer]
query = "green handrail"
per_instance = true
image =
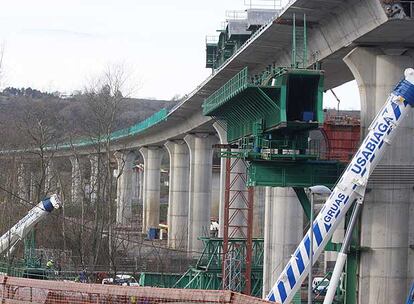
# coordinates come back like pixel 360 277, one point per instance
pixel 231 88
pixel 119 134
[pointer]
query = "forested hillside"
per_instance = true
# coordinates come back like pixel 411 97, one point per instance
pixel 27 113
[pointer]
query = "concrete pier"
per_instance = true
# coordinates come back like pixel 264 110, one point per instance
pixel 76 182
pixel 93 181
pixel 136 188
pixel 125 160
pixel 140 174
pixel 222 134
pixel 386 268
pixel 151 204
pixel 144 154
pixel 201 159
pixel 23 182
pixel 49 178
pixel 259 211
pixel 283 230
pixel 215 192
pixel 178 193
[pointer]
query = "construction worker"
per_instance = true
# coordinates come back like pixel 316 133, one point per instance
pixel 83 278
pixel 50 264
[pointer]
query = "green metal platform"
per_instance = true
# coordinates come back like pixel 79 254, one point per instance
pixel 207 273
pixel 291 103
pixel 294 173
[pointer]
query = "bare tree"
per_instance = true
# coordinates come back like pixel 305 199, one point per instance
pixel 103 100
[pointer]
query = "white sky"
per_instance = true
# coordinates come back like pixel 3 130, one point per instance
pixel 59 44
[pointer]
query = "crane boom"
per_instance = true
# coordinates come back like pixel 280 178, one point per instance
pixel 22 228
pixel 351 186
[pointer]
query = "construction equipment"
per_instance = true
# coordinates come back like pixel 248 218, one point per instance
pixel 337 98
pixel 9 240
pixel 350 188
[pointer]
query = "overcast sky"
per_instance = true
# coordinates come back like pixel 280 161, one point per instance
pixel 58 45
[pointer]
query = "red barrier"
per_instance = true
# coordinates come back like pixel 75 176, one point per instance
pixel 343 136
pixel 19 290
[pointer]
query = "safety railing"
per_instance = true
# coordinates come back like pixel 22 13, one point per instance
pixel 212 39
pixel 232 87
pixel 236 15
pixel 274 149
pixel 116 135
pixel 408 8
pixel 265 4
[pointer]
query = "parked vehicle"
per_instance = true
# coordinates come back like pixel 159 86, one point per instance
pixel 320 285
pixel 121 279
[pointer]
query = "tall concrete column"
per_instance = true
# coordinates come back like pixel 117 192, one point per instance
pixel 330 257
pixel 201 161
pixel 50 182
pixel 385 218
pixel 76 189
pixel 283 231
pixel 215 192
pixel 152 166
pixel 259 211
pixel 33 187
pixel 140 183
pixel 178 194
pixel 135 184
pixel 144 153
pixel 125 160
pixel 94 178
pixel 23 182
pixel 222 134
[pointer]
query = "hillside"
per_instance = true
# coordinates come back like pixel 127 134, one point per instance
pixel 22 113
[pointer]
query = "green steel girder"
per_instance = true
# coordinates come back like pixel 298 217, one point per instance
pixel 199 279
pixel 352 262
pixel 279 108
pixel 207 274
pixel 159 279
pixel 304 201
pixel 211 256
pixel 293 173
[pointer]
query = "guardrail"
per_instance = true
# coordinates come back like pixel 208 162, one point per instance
pixel 236 15
pixel 116 135
pixel 274 4
pixel 212 39
pixel 408 8
pixel 232 87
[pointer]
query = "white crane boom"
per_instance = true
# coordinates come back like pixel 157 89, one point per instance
pixel 22 228
pixel 351 186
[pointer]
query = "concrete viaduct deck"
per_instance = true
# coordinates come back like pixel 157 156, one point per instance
pixel 336 27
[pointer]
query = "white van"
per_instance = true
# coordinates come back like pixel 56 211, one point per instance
pixel 320 285
pixel 121 279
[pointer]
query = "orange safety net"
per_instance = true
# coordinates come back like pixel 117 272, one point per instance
pixel 19 290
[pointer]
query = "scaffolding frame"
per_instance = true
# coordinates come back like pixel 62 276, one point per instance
pixel 231 227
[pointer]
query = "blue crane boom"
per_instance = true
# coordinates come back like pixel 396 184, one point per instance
pixel 9 239
pixel 350 187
